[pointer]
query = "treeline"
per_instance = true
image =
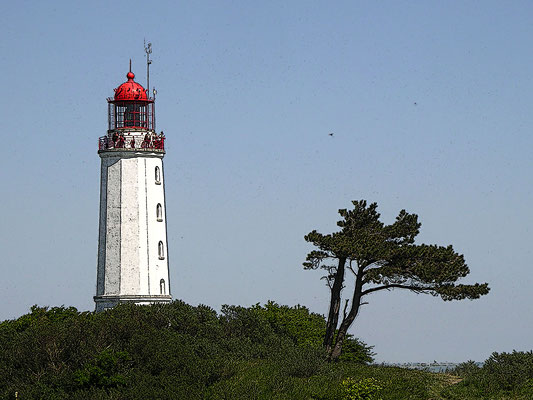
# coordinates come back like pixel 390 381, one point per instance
pixel 173 351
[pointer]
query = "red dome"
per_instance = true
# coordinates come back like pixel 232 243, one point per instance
pixel 130 90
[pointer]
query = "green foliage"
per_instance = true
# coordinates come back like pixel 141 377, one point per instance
pixel 508 371
pixel 306 329
pixel 466 369
pixel 364 389
pixel 299 362
pixel 387 255
pixel 267 380
pixel 503 375
pixel 104 371
pixel 178 351
pixel 302 326
pixel 356 351
pixel 162 351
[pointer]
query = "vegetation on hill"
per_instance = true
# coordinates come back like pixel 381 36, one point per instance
pixel 172 351
pixel 177 351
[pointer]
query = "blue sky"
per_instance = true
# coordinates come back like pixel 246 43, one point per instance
pixel 429 103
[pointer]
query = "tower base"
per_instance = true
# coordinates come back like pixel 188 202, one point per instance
pixel 105 302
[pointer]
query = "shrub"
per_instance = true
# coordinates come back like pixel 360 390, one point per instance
pixel 303 327
pixel 299 362
pixel 106 371
pixel 355 350
pixel 364 389
pixel 502 376
pixel 306 329
pixel 465 369
pixel 507 371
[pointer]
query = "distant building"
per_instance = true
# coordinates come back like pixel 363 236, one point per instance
pixel 132 243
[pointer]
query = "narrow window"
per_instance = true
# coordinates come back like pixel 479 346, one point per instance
pixel 157 176
pixel 162 286
pixel 161 251
pixel 159 212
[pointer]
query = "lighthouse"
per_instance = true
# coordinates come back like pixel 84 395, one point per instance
pixel 132 240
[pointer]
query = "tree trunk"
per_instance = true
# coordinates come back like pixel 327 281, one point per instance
pixel 347 321
pixel 334 306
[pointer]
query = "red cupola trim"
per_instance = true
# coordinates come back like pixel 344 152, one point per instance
pixel 130 90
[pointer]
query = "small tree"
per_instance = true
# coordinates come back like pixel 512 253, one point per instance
pixel 382 257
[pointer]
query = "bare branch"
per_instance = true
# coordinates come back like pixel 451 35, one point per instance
pixel 344 311
pixel 328 280
pixel 351 268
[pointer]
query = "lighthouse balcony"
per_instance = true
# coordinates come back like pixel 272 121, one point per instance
pixel 132 141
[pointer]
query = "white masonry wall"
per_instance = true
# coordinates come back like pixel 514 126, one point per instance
pixel 130 267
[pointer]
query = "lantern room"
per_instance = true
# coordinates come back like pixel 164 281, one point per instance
pixel 131 108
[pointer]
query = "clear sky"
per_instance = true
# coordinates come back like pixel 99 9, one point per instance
pixel 430 106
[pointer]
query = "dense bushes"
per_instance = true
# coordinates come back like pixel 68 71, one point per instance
pixel 508 371
pixel 503 375
pixel 164 351
pixel 177 351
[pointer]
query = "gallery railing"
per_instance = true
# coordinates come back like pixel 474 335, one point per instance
pixel 129 141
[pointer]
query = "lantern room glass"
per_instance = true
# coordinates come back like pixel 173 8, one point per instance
pixel 131 114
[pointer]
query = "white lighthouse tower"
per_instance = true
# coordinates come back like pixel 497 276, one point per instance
pixel 132 243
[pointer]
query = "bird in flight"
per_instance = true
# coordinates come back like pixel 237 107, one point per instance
pixel 330 134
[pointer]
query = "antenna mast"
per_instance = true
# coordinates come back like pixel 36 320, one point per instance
pixel 148 51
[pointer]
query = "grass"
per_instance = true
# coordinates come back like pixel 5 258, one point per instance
pixel 266 380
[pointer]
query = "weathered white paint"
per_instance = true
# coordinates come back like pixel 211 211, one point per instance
pixel 129 266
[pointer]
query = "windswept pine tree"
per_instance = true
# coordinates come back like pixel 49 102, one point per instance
pixel 382 257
